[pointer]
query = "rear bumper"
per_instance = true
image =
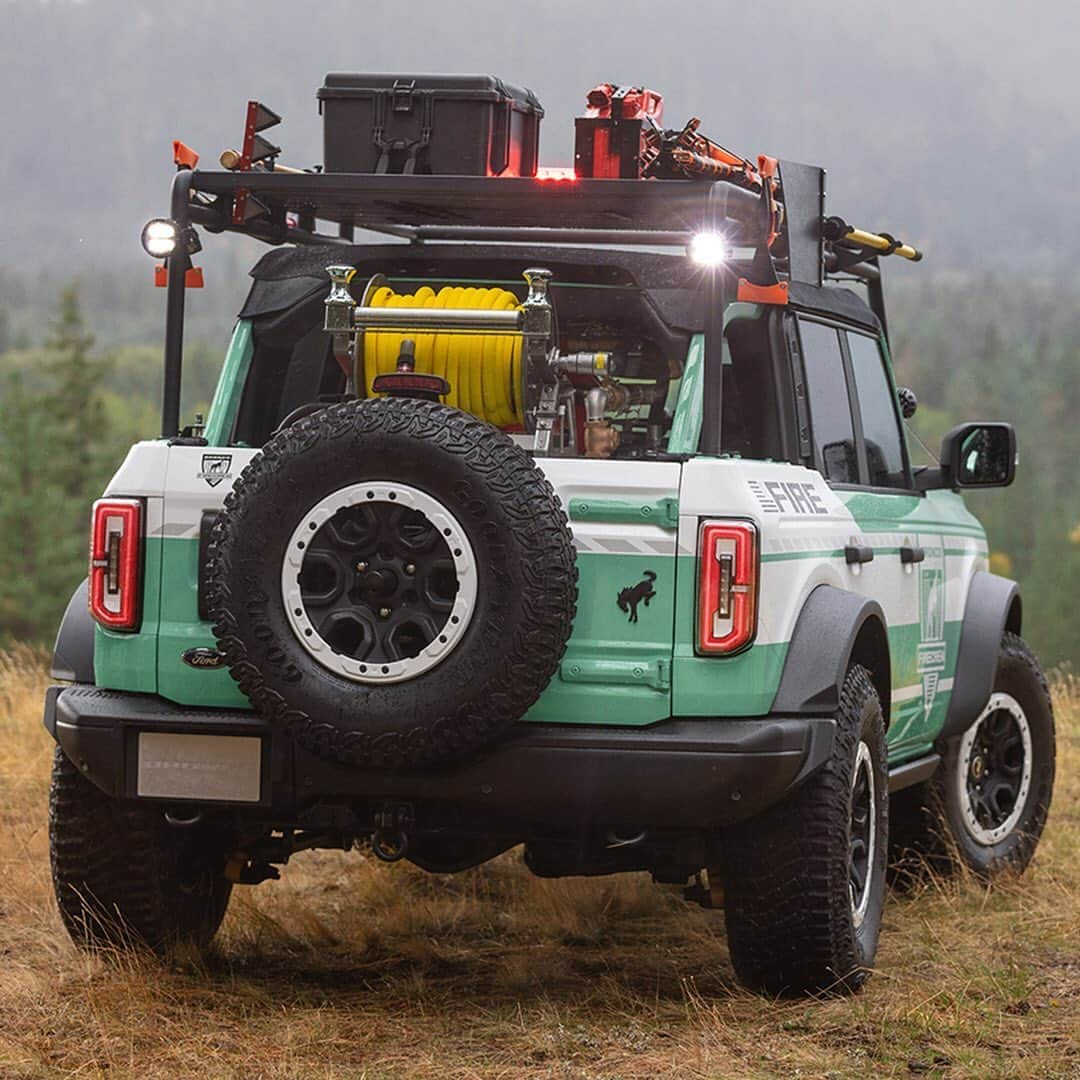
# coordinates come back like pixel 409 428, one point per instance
pixel 697 773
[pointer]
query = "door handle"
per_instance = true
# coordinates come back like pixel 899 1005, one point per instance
pixel 909 555
pixel 858 553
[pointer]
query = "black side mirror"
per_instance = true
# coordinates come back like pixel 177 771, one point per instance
pixel 977 455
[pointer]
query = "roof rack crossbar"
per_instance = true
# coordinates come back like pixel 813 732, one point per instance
pixel 637 237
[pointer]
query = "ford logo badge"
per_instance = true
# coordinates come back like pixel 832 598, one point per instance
pixel 203 658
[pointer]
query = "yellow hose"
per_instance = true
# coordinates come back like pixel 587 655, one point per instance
pixel 483 370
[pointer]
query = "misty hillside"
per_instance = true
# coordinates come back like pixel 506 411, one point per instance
pixel 953 125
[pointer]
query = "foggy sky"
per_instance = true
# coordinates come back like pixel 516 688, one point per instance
pixel 954 125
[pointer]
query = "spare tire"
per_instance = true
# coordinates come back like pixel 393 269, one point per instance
pixel 393 582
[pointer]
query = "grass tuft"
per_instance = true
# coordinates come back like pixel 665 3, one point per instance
pixel 350 968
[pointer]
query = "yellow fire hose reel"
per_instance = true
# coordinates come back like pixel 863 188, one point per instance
pixel 482 341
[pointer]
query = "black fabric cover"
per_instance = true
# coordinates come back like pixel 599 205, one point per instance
pixel 295 277
pixel 832 300
pixel 286 277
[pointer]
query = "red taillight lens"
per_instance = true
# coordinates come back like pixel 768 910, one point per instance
pixel 116 563
pixel 727 586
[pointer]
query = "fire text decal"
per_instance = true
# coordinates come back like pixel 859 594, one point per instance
pixel 787 497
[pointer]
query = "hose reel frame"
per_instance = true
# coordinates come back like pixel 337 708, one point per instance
pixel 534 320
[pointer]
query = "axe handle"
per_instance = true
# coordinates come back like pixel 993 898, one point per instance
pixel 230 159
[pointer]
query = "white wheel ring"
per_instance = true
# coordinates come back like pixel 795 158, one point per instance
pixel 981 835
pixel 457 621
pixel 864 761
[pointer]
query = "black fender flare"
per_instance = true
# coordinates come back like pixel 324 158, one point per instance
pixel 73 653
pixel 992 607
pixel 834 628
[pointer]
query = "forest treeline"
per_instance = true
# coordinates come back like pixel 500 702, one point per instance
pixel 80 383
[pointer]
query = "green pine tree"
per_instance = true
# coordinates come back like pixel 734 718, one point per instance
pixel 75 397
pixel 55 457
pixel 39 564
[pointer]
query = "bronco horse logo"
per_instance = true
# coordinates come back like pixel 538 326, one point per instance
pixel 632 595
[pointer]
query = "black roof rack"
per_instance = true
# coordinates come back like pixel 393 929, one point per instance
pixel 599 211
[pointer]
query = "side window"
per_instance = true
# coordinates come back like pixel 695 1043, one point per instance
pixel 877 409
pixel 749 422
pixel 281 378
pixel 830 409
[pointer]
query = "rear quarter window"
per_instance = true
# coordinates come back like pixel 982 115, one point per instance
pixel 830 407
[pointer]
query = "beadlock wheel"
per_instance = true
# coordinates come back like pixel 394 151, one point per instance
pixel 863 836
pixel 994 770
pixel 379 582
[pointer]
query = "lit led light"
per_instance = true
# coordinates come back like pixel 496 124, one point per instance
pixel 556 172
pixel 160 237
pixel 708 249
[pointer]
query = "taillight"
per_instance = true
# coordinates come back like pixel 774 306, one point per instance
pixel 116 563
pixel 727 586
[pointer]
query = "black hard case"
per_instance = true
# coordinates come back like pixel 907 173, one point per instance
pixel 456 125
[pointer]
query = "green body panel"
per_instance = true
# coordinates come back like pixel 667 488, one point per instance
pixel 129 661
pixel 180 629
pixel 740 685
pixel 614 671
pixel 223 409
pixel 936 511
pixel 662 512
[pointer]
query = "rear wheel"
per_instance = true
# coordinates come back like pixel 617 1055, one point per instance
pixel 804 882
pixel 123 876
pixel 986 806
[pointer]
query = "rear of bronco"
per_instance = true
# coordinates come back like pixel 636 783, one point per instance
pixel 523 533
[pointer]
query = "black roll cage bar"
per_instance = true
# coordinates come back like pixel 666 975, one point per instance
pixel 432 208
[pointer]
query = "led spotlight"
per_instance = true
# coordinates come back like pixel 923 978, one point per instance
pixel 160 237
pixel 708 249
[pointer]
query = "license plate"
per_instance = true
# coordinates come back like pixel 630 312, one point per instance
pixel 223 768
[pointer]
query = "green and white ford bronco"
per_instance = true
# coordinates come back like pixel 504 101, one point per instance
pixel 577 515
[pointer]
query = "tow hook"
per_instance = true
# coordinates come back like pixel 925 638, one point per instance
pixel 390 840
pixel 241 870
pixel 706 892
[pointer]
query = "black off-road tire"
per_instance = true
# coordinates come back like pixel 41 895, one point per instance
pixel 123 877
pixel 931 833
pixel 787 898
pixel 526 583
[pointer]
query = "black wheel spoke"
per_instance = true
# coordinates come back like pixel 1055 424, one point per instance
pixel 322 578
pixel 378 582
pixel 858 873
pixel 995 769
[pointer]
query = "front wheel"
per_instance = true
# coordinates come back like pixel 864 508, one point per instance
pixel 122 876
pixel 804 882
pixel 986 806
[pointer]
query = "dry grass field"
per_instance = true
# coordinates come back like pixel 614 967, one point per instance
pixel 350 968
